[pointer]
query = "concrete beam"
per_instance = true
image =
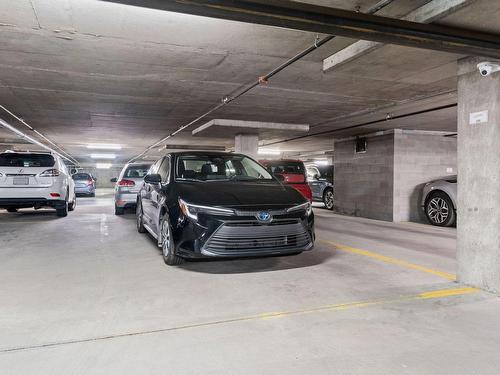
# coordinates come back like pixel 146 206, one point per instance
pixel 224 128
pixel 332 21
pixel 428 13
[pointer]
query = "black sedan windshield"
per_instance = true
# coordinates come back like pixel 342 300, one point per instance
pixel 219 167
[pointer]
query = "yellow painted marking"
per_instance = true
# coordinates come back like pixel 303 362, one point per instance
pixel 386 259
pixel 448 292
pixel 327 308
pixel 344 306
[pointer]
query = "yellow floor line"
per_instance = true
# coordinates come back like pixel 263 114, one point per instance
pixel 327 308
pixel 386 259
pixel 344 306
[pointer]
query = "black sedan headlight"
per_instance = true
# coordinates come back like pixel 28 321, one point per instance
pixel 301 207
pixel 192 210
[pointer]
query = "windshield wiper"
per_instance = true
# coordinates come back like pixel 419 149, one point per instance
pixel 245 178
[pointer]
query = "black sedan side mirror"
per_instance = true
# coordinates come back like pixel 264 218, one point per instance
pixel 114 180
pixel 152 179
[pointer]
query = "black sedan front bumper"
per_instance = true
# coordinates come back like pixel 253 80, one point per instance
pixel 244 236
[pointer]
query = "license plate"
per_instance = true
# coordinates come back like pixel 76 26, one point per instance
pixel 21 180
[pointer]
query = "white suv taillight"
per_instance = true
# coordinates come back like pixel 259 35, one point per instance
pixel 50 173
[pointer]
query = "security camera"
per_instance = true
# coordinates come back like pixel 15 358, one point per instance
pixel 487 67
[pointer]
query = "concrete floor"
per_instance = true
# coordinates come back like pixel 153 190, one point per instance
pixel 87 294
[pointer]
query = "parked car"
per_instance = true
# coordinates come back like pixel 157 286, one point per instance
pixel 128 184
pixel 320 179
pixel 84 184
pixel 439 201
pixel 35 179
pixel 215 204
pixel 292 172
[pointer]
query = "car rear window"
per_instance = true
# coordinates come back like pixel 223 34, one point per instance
pixel 286 167
pixel 136 171
pixel 26 160
pixel 81 176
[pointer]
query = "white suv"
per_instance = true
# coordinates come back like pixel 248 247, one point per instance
pixel 35 179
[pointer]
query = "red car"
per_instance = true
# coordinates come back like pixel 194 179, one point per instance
pixel 293 172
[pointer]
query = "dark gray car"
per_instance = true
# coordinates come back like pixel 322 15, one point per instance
pixel 320 179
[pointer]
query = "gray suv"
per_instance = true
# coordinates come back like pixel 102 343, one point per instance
pixel 128 184
pixel 320 179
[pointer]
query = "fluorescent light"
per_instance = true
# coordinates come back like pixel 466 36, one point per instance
pixel 103 156
pixel 103 165
pixel 265 151
pixel 320 162
pixel 104 146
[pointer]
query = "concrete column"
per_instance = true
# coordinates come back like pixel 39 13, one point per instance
pixel 478 227
pixel 247 144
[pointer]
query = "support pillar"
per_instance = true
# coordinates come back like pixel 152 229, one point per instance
pixel 247 144
pixel 478 220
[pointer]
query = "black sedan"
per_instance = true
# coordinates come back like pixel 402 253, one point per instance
pixel 215 204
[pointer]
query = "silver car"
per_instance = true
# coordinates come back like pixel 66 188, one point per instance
pixel 128 184
pixel 439 201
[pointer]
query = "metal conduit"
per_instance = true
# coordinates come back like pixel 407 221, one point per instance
pixel 61 152
pixel 32 140
pixel 242 91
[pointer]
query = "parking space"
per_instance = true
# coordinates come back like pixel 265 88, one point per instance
pixel 103 302
pixel 249 187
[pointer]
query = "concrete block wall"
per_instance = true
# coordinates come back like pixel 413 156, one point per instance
pixel 419 157
pixel 364 181
pixel 103 175
pixel 385 182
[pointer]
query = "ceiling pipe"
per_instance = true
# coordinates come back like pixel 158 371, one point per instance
pixel 262 79
pixel 34 141
pixel 388 117
pixel 68 156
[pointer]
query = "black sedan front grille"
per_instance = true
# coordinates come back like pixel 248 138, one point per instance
pixel 240 238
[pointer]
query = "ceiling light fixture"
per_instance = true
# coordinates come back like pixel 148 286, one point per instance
pixel 103 165
pixel 104 146
pixel 263 151
pixel 102 156
pixel 320 162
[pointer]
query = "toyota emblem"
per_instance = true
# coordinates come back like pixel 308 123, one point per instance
pixel 264 216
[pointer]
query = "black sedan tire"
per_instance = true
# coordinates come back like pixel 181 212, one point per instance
pixel 328 199
pixel 439 210
pixel 138 216
pixel 11 210
pixel 167 244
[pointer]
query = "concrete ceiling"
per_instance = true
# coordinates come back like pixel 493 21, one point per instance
pixel 86 71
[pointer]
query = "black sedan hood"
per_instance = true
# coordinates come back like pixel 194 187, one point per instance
pixel 239 194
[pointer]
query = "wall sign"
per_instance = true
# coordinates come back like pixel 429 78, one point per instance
pixel 478 117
